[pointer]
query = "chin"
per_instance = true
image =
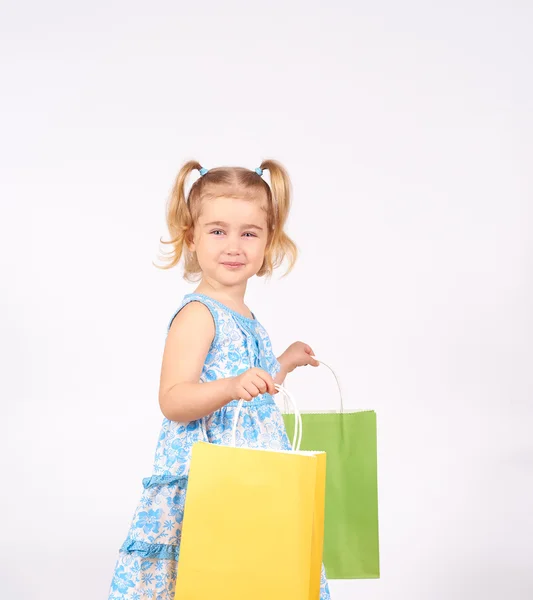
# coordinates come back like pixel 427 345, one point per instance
pixel 232 277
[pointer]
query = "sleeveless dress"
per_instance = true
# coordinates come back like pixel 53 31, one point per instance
pixel 148 559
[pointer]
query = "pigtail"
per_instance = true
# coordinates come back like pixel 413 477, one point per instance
pixel 280 246
pixel 178 216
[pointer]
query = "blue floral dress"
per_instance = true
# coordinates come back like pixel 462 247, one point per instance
pixel 148 559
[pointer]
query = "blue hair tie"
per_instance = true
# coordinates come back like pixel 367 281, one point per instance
pixel 259 171
pixel 203 171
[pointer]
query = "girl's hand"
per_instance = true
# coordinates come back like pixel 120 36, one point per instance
pixel 251 383
pixel 298 355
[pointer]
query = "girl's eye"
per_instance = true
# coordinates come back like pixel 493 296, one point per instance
pixel 249 233
pixel 217 231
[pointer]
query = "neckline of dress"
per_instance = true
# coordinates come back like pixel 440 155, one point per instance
pixel 226 307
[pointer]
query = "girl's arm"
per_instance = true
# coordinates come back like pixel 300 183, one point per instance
pixel 296 355
pixel 181 397
pixel 282 373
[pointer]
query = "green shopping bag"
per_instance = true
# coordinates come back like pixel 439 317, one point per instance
pixel 351 541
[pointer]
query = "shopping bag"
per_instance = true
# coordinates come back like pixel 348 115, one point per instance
pixel 351 533
pixel 253 524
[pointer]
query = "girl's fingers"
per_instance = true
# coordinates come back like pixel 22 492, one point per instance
pixel 268 382
pixel 311 354
pixel 251 388
pixel 260 384
pixel 245 395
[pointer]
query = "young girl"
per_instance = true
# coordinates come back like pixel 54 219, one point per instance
pixel 230 228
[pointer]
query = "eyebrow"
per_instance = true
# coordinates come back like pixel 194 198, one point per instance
pixel 223 224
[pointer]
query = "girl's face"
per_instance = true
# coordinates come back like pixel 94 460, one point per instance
pixel 230 239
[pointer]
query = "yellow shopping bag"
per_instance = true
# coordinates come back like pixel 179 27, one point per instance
pixel 253 525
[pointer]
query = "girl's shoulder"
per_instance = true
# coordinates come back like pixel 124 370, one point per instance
pixel 205 300
pixel 223 315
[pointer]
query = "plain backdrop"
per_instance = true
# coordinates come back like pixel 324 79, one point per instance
pixel 407 130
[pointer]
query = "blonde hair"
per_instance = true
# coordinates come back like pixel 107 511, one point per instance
pixel 237 182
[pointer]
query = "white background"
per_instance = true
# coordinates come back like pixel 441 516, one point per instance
pixel 407 130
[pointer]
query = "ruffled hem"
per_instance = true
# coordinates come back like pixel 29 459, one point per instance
pixel 164 480
pixel 155 530
pixel 146 550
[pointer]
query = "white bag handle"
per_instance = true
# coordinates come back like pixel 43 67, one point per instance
pixel 296 440
pixel 337 380
pixel 286 408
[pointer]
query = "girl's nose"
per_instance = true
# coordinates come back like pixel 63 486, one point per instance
pixel 233 251
pixel 234 245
